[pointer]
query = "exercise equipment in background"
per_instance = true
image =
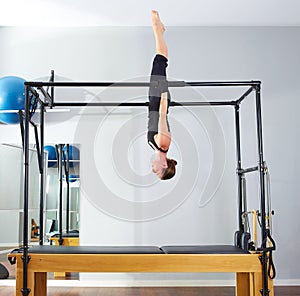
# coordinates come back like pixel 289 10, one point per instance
pixel 4 274
pixel 71 154
pixel 52 158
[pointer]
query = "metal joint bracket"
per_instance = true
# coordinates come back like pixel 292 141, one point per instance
pixel 266 292
pixel 257 87
pixel 263 259
pixel 26 259
pixel 239 172
pixel 261 167
pixel 25 292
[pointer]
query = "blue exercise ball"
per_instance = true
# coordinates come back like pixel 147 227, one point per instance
pixel 52 158
pixel 12 97
pixel 74 155
pixel 73 178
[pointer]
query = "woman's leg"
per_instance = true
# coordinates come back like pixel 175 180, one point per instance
pixel 158 103
pixel 158 30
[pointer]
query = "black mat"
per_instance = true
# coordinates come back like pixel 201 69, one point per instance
pixel 94 250
pixel 210 249
pixel 190 249
pixel 66 235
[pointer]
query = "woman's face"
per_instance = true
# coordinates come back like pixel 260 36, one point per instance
pixel 158 166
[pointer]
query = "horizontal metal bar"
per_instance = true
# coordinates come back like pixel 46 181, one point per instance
pixel 140 104
pixel 208 103
pixel 225 83
pixel 139 84
pixel 247 170
pixel 100 104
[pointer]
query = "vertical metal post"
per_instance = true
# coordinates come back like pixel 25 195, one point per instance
pixel 264 259
pixel 21 126
pixel 52 88
pixel 25 291
pixel 42 175
pixel 239 166
pixel 68 189
pixel 60 193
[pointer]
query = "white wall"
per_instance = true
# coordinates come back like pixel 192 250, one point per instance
pixel 120 206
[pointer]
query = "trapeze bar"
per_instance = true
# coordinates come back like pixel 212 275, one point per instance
pixel 140 104
pixel 139 84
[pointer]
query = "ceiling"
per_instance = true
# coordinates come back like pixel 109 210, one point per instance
pixel 137 12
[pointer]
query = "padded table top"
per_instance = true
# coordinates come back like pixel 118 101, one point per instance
pixel 94 250
pixel 189 249
pixel 66 235
pixel 209 249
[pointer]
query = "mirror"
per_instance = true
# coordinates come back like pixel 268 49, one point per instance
pixel 11 193
pixel 61 194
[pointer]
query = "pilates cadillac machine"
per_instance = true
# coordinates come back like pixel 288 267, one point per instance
pixel 253 265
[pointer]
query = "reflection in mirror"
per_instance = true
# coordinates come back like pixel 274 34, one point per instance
pixel 61 197
pixel 62 194
pixel 11 194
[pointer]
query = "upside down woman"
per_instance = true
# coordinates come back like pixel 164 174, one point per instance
pixel 159 136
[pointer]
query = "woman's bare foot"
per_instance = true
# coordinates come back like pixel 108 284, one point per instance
pixel 158 26
pixel 159 29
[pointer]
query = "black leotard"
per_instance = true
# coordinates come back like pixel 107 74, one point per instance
pixel 158 85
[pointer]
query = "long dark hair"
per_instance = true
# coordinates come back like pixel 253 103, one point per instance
pixel 170 170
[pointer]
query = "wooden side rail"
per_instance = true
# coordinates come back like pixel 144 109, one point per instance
pixel 246 266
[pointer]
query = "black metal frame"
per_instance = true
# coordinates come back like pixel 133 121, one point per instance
pixel 63 165
pixel 59 154
pixel 33 88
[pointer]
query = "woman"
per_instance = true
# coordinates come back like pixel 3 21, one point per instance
pixel 159 136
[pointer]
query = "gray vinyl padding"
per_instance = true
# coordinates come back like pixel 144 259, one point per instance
pixel 190 249
pixel 95 250
pixel 210 249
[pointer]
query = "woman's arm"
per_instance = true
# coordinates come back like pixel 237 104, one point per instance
pixel 163 138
